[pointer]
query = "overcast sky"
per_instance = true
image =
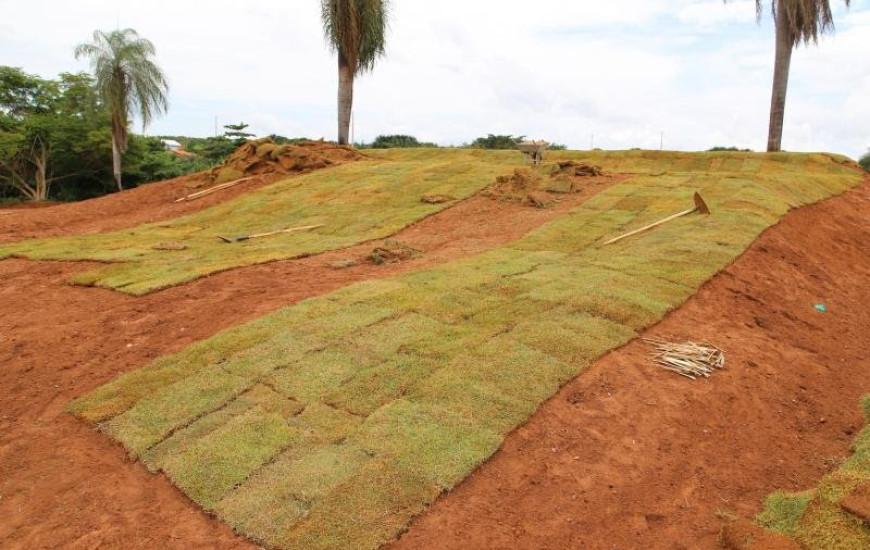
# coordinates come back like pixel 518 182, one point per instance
pixel 563 70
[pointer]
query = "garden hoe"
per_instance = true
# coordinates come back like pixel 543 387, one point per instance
pixel 258 235
pixel 700 206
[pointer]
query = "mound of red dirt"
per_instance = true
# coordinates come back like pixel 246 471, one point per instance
pixel 264 156
pixel 523 186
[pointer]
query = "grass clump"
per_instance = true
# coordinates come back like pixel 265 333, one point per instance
pixel 392 391
pixel 817 519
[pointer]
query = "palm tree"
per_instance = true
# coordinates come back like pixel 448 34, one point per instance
pixel 356 30
pixel 796 21
pixel 128 81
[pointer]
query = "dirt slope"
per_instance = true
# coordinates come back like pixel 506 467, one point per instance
pixel 628 456
pixel 63 485
pixel 624 457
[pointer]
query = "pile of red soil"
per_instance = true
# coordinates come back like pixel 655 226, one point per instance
pixel 522 186
pixel 393 251
pixel 264 156
pixel 570 176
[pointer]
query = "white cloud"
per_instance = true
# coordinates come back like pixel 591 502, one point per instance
pixel 559 69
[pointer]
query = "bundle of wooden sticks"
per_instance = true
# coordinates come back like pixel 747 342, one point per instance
pixel 688 358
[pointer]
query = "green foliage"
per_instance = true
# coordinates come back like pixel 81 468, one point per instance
pixel 237 134
pixel 54 136
pixel 398 141
pixel 281 140
pixel 865 161
pixel 492 141
pixel 719 148
pixel 407 384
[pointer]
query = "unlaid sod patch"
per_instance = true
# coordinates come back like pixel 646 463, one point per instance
pixel 355 202
pixel 331 423
pixel 815 518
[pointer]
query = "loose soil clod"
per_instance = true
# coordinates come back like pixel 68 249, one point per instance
pixel 436 199
pixel 393 251
pixel 170 245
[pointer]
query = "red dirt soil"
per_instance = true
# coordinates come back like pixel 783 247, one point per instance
pixel 156 201
pixel 625 456
pixel 64 485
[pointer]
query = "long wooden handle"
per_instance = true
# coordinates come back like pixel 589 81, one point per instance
pixel 288 230
pixel 650 226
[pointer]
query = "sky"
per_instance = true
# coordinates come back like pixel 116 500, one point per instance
pixel 685 74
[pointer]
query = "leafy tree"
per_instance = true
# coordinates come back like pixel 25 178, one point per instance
pixel 796 21
pixel 50 130
pixel 865 161
pixel 128 81
pixel 492 141
pixel 719 148
pixel 282 140
pixel 237 134
pixel 356 30
pixel 398 141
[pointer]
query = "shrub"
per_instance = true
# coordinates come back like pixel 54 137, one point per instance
pixel 865 161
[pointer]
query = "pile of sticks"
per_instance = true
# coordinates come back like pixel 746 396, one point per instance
pixel 687 359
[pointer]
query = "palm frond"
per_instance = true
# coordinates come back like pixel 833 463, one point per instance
pixel 129 81
pixel 356 30
pixel 808 19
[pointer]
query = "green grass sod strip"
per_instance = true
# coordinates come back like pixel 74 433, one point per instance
pixel 392 391
pixel 815 518
pixel 356 202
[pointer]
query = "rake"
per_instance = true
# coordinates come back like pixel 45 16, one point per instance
pixel 700 207
pixel 269 234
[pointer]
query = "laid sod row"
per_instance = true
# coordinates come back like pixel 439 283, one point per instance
pixel 815 518
pixel 355 202
pixel 330 424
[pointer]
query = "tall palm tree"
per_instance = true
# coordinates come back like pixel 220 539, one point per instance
pixel 796 21
pixel 356 30
pixel 128 81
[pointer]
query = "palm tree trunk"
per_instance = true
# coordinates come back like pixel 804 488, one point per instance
pixel 345 98
pixel 116 161
pixel 782 65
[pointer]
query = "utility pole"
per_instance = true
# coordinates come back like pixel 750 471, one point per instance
pixel 592 142
pixel 215 126
pixel 662 142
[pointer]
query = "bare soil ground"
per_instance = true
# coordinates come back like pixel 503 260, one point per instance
pixel 63 485
pixel 626 456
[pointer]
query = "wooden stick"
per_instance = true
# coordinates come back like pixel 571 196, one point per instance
pixel 215 189
pixel 258 235
pixel 650 226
